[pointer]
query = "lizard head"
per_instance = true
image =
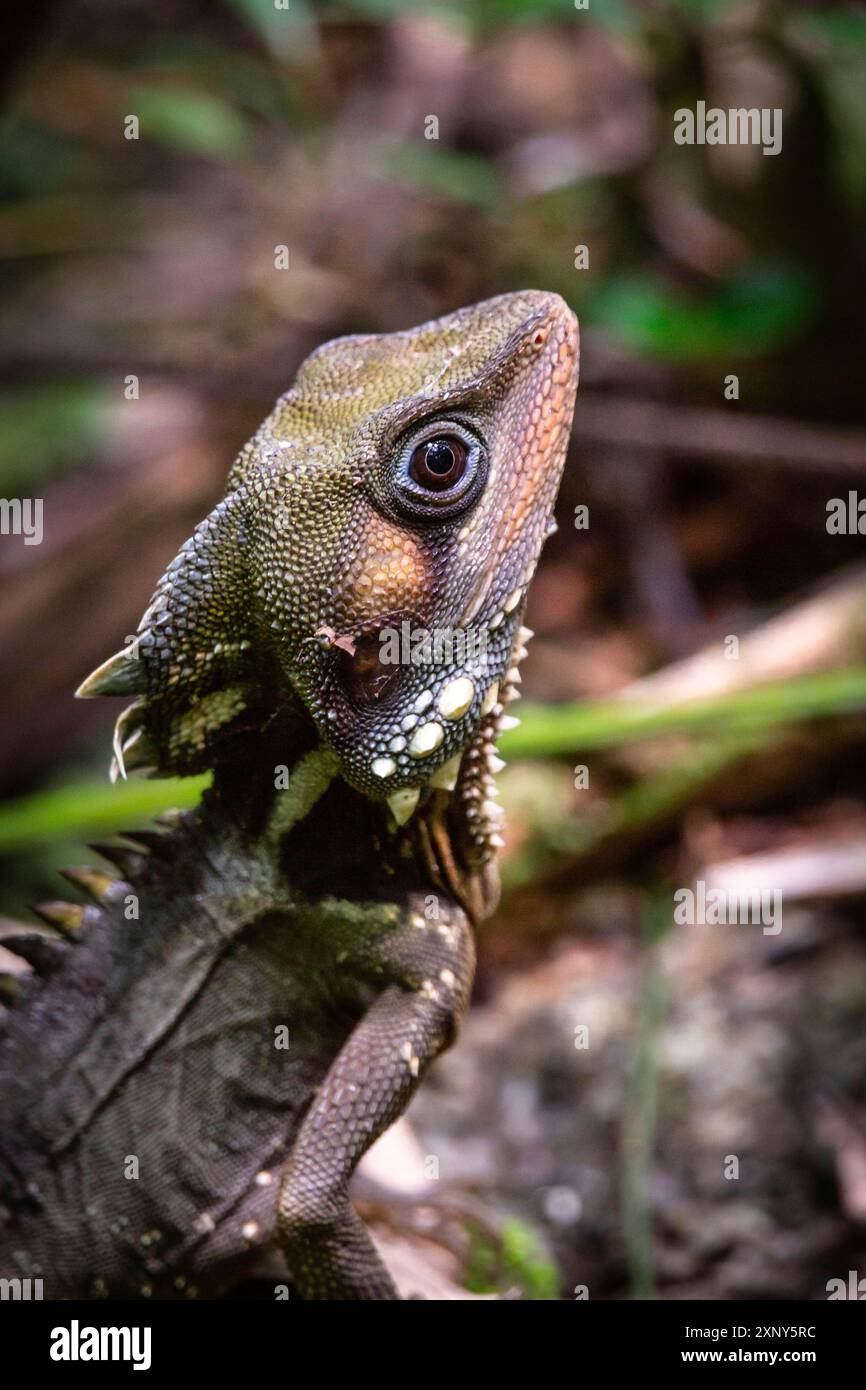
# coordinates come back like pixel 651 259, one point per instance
pixel 371 555
pixel 428 467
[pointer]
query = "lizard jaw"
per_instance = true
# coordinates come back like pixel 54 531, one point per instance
pixel 406 727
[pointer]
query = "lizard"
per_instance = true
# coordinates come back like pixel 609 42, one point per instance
pixel 207 1046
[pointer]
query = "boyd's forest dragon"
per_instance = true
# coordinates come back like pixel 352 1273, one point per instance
pixel 154 1138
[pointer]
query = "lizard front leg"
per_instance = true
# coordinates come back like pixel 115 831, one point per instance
pixel 428 966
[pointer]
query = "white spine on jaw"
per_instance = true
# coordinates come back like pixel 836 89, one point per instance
pixel 456 697
pixel 512 601
pixel 426 740
pixel 383 767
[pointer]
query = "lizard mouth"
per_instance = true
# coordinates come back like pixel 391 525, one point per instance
pixel 364 676
pixel 367 664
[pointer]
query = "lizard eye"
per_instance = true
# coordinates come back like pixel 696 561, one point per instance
pixel 438 463
pixel 441 469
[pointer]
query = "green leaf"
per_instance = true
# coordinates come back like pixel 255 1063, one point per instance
pixel 395 9
pixel 47 429
pixel 620 16
pixel 759 311
pixel 705 10
pixel 35 159
pixel 549 731
pixel 193 122
pixel 518 1258
pixel 461 178
pixel 81 809
pixel 278 27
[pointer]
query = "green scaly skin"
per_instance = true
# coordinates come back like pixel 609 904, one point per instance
pixel 332 877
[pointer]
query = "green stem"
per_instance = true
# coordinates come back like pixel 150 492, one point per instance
pixel 81 809
pixel 549 731
pixel 641 1110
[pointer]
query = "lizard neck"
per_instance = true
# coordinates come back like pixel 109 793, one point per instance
pixel 281 790
pixel 325 839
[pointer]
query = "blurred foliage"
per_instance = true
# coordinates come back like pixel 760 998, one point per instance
pixel 45 429
pixel 189 121
pixel 304 124
pixel 557 730
pixel 462 178
pixel 641 1112
pixel 45 830
pixel 518 1260
pixel 90 808
pixel 757 311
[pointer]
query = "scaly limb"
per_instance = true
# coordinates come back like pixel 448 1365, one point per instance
pixel 428 968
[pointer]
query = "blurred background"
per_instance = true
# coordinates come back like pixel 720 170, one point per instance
pixel 696 690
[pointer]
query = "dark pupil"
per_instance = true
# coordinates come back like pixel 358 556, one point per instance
pixel 438 463
pixel 439 457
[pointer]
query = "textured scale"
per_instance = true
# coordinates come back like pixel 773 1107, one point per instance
pixel 341 902
pixel 311 533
